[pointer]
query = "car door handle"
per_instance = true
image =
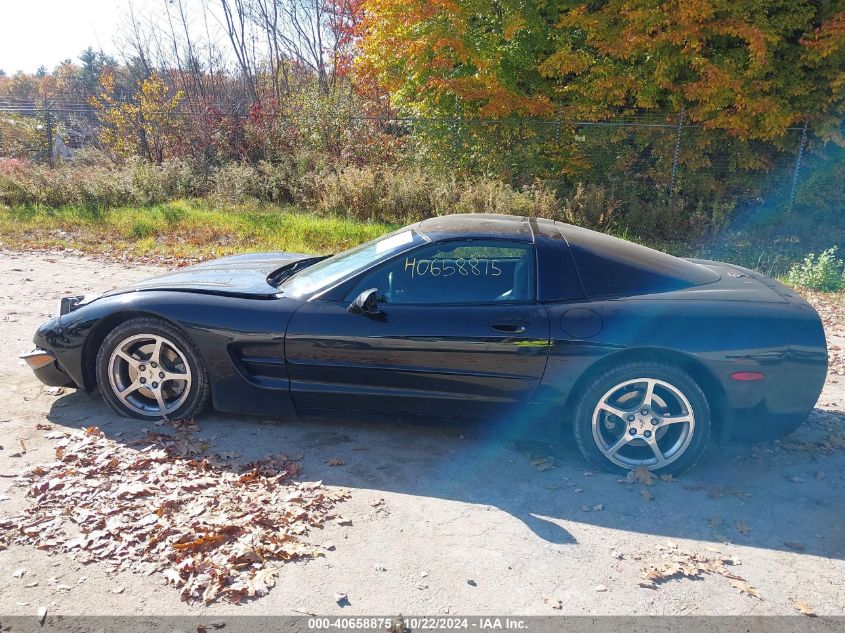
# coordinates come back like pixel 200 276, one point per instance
pixel 509 328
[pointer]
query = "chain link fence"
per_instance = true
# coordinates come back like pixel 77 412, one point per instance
pixel 659 159
pixel 663 162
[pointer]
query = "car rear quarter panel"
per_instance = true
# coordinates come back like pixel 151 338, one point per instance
pixel 714 339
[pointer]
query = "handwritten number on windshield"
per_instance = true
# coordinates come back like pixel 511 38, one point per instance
pixel 472 267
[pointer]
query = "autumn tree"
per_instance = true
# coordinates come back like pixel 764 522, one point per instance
pixel 19 135
pixel 749 67
pixel 147 124
pixel 477 56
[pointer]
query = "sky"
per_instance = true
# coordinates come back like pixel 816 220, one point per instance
pixel 46 32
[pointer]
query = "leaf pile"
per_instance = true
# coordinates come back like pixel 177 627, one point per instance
pixel 830 307
pixel 155 506
pixel 675 564
pixel 826 436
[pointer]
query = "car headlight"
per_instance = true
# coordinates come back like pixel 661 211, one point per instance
pixel 69 304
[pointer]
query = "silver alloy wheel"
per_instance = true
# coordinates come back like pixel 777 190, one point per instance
pixel 643 422
pixel 149 374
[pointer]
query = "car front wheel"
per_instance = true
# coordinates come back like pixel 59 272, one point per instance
pixel 642 414
pixel 148 369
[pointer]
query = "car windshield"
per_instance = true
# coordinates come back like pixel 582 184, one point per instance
pixel 327 272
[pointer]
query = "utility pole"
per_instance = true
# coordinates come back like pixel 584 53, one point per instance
pixel 677 153
pixel 48 126
pixel 801 144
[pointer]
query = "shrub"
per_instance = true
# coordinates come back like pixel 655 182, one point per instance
pixel 403 194
pixel 592 206
pixel 233 183
pixel 818 272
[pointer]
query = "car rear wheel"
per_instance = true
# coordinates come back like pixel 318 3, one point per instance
pixel 643 414
pixel 148 369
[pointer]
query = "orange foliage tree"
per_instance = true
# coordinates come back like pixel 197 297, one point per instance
pixel 749 67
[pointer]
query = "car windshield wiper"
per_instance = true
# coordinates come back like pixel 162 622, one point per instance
pixel 284 273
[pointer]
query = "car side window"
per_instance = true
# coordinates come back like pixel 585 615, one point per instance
pixel 459 272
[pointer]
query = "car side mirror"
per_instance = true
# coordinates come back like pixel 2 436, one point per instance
pixel 365 303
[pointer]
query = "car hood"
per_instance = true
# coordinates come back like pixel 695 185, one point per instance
pixel 238 275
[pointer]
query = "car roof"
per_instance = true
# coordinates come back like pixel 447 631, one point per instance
pixel 606 265
pixel 478 226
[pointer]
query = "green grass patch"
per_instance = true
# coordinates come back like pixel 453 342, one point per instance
pixel 199 229
pixel 182 229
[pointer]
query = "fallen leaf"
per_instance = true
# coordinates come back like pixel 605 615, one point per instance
pixel 554 603
pixel 641 475
pixel 647 494
pixel 677 564
pixel 335 461
pixel 173 576
pixel 803 608
pixel 260 583
pixel 745 588
pixel 543 464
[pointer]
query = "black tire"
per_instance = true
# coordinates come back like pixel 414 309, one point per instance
pixel 192 399
pixel 615 377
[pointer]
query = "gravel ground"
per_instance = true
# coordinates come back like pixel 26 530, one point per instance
pixel 448 518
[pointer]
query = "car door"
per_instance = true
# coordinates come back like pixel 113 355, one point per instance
pixel 458 333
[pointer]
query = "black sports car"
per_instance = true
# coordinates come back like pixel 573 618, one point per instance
pixel 641 355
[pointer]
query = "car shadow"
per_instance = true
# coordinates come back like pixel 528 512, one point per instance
pixel 783 495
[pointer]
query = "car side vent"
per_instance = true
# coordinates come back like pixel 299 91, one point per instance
pixel 260 365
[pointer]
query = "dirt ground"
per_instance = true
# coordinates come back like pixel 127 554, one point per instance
pixel 470 523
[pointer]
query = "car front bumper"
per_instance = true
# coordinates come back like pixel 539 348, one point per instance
pixel 47 369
